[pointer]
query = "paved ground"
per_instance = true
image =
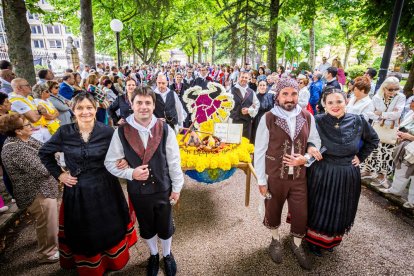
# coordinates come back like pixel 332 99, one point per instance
pixel 217 235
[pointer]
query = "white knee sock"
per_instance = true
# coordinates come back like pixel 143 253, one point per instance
pixel 297 241
pixel 275 234
pixel 166 246
pixel 152 244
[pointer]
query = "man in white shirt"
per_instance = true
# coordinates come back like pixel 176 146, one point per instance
pixel 288 138
pixel 23 104
pixel 154 178
pixel 246 104
pixel 167 104
pixel 85 72
pixel 323 66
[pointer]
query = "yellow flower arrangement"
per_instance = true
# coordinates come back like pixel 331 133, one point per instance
pixel 230 156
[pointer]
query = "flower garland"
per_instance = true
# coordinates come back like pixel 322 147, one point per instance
pixel 230 156
pixel 212 104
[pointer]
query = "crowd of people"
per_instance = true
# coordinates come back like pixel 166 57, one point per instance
pixel 319 136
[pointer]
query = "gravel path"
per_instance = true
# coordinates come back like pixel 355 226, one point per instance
pixel 217 235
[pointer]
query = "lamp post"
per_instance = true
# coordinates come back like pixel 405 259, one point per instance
pixel 299 50
pixel 205 44
pixel 117 26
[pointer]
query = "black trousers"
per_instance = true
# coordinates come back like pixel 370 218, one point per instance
pixel 154 214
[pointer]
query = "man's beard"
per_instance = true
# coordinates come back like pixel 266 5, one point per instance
pixel 288 106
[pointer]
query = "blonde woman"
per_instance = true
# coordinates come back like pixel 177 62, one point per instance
pixel 389 104
pixel 50 119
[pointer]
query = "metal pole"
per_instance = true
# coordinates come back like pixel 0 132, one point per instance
pixel 392 33
pixel 117 49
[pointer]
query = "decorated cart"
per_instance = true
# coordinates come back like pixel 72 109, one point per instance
pixel 206 157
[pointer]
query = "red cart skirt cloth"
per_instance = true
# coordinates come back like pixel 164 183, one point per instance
pixel 114 258
pixel 322 240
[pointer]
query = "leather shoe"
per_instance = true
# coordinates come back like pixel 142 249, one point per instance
pixel 314 249
pixel 170 265
pixel 300 255
pixel 275 251
pixel 153 265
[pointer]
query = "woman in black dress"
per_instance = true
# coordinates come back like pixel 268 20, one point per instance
pixel 120 109
pixel 95 229
pixel 267 101
pixel 334 183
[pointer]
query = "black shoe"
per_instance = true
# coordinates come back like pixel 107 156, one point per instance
pixel 314 249
pixel 153 265
pixel 169 265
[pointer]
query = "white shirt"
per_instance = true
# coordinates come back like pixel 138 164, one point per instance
pixel 84 75
pixel 392 113
pixel 323 67
pixel 116 152
pixel 20 106
pixel 361 107
pixel 304 96
pixel 262 141
pixel 254 108
pixel 181 114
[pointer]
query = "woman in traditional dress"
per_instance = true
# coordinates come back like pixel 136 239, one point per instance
pixel 267 101
pixel 334 183
pixel 120 109
pixel 95 229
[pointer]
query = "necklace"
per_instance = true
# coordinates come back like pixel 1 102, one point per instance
pixel 337 125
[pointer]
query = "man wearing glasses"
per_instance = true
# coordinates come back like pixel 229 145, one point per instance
pixel 23 104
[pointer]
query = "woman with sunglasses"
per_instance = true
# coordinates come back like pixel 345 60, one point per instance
pixel 334 182
pixel 95 229
pixel 50 119
pixel 33 186
pixel 60 103
pixel 389 105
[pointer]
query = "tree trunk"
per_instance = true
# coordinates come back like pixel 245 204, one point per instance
pixel 86 29
pixel 213 47
pixel 200 46
pixel 410 81
pixel 233 44
pixel 18 35
pixel 347 52
pixel 284 53
pixel 193 47
pixel 272 42
pixel 312 45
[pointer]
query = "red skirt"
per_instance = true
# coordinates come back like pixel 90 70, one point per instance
pixel 322 240
pixel 114 258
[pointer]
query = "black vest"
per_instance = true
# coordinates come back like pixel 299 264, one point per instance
pixel 159 178
pixel 166 110
pixel 240 103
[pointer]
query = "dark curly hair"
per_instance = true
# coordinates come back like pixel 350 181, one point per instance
pixel 10 123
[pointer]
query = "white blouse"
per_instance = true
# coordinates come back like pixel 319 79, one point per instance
pixel 361 107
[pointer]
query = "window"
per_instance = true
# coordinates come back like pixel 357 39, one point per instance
pixel 76 43
pixel 38 43
pixel 67 30
pixel 57 43
pixel 36 29
pixel 53 29
pixel 32 16
pixel 43 1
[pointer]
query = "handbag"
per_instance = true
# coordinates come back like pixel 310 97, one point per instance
pixel 386 134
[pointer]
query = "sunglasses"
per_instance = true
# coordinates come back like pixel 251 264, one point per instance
pixel 393 90
pixel 56 87
pixel 301 82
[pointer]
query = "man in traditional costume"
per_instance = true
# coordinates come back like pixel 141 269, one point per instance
pixel 168 105
pixel 287 133
pixel 246 104
pixel 154 178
